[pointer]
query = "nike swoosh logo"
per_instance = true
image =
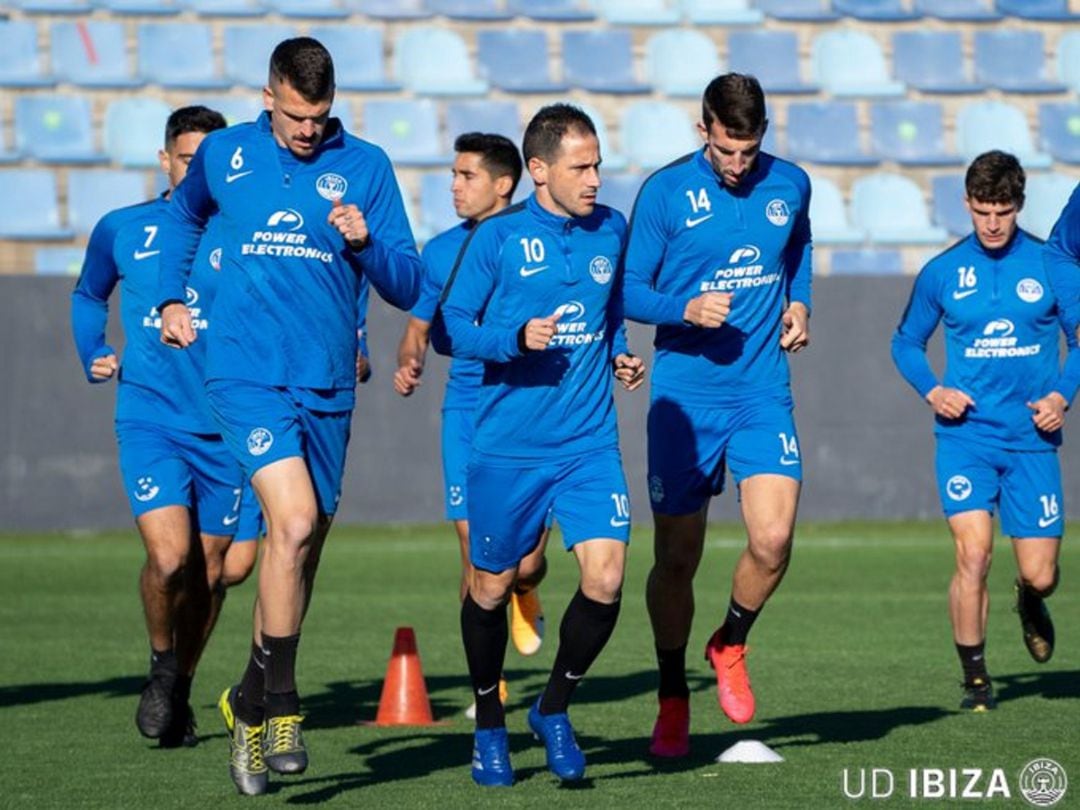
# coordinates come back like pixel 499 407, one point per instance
pixel 144 254
pixel 488 691
pixel 570 676
pixel 1043 522
pixel 231 177
pixel 693 223
pixel 959 295
pixel 526 271
pixel 789 462
pixel 230 520
pixel 617 523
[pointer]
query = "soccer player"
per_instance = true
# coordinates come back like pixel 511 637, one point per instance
pixel 535 294
pixel 486 171
pixel 309 210
pixel 998 410
pixel 1062 257
pixel 718 257
pixel 183 485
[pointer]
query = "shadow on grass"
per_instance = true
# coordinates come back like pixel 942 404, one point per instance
pixel 1050 685
pixel 29 693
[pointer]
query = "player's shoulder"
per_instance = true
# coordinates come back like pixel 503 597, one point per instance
pixel 358 149
pixel 604 217
pixel 449 240
pixel 946 260
pixel 138 213
pixel 230 137
pixel 504 224
pixel 672 174
pixel 778 168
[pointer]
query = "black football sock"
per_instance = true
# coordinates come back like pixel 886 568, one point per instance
pixel 586 627
pixel 182 689
pixel 737 623
pixel 484 634
pixel 251 694
pixel 973 660
pixel 279 656
pixel 672 665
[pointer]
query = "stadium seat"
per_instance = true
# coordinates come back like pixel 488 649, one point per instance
pixel 435 62
pixel 20 61
pixel 178 55
pixel 391 9
pixel 1069 60
pixel 828 215
pixel 891 209
pixel 358 56
pixel 600 60
pixel 1014 61
pixel 500 117
pixel 959 10
pixel 320 9
pixel 985 125
pixel 141 7
pixel 91 53
pixel 58 261
pixel 343 111
pixel 226 8
pixel 876 10
pixel 950 213
pixel 771 56
pixel 478 10
pixel 1048 10
pixel 516 60
pixel 436 204
pixel 638 12
pixel 613 161
pixel 553 10
pixel 55 6
pixel 654 133
pixel 247 51
pixel 29 207
pixel 1046 195
pixel 932 61
pixel 55 128
pixel 7 155
pixel 798 10
pixel 910 132
pixel 867 262
pixel 236 109
pixel 826 132
pixel 1059 131
pixel 721 12
pixel 408 203
pixel 619 191
pixel 833 54
pixel 92 193
pixel 408 131
pixel 681 62
pixel 135 131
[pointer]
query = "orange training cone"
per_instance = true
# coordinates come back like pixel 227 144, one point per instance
pixel 404 700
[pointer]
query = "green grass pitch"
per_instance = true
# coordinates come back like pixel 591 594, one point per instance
pixel 852 664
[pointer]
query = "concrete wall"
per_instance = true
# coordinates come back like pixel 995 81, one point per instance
pixel 865 436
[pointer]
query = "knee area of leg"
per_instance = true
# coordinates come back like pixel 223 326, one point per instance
pixel 973 562
pixel 296 530
pixel 167 564
pixel 1042 583
pixel 603 587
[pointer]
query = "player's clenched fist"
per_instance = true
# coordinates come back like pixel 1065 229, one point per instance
pixel 103 368
pixel 950 403
pixel 709 310
pixel 538 332
pixel 407 377
pixel 350 223
pixel 629 370
pixel 176 328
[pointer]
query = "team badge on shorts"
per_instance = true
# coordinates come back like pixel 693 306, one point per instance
pixel 146 490
pixel 1029 290
pixel 958 487
pixel 259 441
pixel 215 258
pixel 331 186
pixel 778 213
pixel 600 269
pixel 656 489
pixel 457 498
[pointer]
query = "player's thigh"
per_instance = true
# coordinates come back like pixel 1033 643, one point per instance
pixel 968 476
pixel 685 456
pixel 507 506
pixel 167 535
pixel 457 433
pixel 973 537
pixel 218 483
pixel 152 468
pixel 1032 499
pixel 769 503
pixel 591 499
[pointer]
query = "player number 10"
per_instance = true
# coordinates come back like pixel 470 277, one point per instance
pixel 622 505
pixel 534 249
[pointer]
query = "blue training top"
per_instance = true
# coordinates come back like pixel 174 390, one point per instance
pixel 522 263
pixel 1062 257
pixel 1001 321
pixel 691 234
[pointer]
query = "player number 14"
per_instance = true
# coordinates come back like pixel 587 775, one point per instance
pixel 699 202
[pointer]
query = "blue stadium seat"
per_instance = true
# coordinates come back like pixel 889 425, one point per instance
pixel 91 53
pixel 436 204
pixel 959 10
pixel 876 10
pixel 358 56
pixel 681 62
pixel 638 12
pixel 7 155
pixel 29 207
pixel 135 131
pixel 867 262
pixel 516 60
pixel 826 132
pixel 500 117
pixel 92 193
pixel 226 8
pixel 833 54
pixel 58 261
pixel 985 125
pixel 343 111
pixel 772 56
pixel 891 209
pixel 619 191
pixel 247 51
pixel 1014 61
pixel 20 61
pixel 798 10
pixel 178 55
pixel 236 109
pixel 932 61
pixel 435 62
pixel 392 9
pixel 722 12
pixel 1069 60
pixel 1050 10
pixel 600 60
pixel 141 7
pixel 613 161
pixel 55 6
pixel 553 10
pixel 950 212
pixel 829 217
pixel 407 130
pixel 480 10
pixel 654 133
pixel 1045 196
pixel 1059 131
pixel 910 132
pixel 320 9
pixel 55 128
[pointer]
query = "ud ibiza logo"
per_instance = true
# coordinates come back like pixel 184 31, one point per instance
pixel 331 186
pixel 1043 783
pixel 600 269
pixel 289 219
pixel 146 489
pixel 747 254
pixel 259 441
pixel 1029 290
pixel 778 213
pixel 958 487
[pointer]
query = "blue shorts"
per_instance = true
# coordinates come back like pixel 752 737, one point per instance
pixel 250 525
pixel 510 505
pixel 458 427
pixel 263 424
pixel 163 467
pixel 690 447
pixel 1026 485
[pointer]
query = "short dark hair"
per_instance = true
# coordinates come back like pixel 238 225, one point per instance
pixel 737 101
pixel 192 119
pixel 995 177
pixel 498 154
pixel 544 134
pixel 306 65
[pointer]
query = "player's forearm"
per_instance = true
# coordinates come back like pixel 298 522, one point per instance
pixel 393 271
pixel 910 360
pixel 1068 382
pixel 643 304
pixel 472 342
pixel 414 342
pixel 88 320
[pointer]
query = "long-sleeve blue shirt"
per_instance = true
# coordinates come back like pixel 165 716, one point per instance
pixel 287 308
pixel 1062 258
pixel 522 263
pixel 691 234
pixel 157 384
pixel 1002 323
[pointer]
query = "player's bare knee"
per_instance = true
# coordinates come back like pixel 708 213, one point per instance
pixel 1042 580
pixel 603 585
pixel 166 564
pixel 294 532
pixel 771 547
pixel 973 562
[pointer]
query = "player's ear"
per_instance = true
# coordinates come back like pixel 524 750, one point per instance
pixel 702 131
pixel 503 184
pixel 164 161
pixel 538 170
pixel 268 98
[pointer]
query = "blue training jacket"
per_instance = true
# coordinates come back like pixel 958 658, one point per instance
pixel 1062 257
pixel 287 308
pixel 1002 323
pixel 691 234
pixel 522 263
